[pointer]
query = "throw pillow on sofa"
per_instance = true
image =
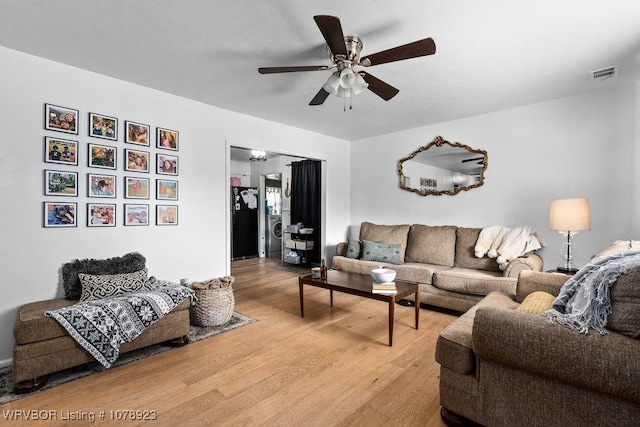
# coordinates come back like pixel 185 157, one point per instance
pixel 109 285
pixel 389 234
pixel 382 252
pixel 354 248
pixel 431 244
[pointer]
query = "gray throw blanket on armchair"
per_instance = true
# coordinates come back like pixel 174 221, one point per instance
pixel 584 300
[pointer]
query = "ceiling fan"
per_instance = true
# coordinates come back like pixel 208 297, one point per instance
pixel 344 53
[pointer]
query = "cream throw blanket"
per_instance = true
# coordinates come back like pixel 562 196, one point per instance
pixel 505 244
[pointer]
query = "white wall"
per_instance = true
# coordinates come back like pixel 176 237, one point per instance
pixel 635 213
pixel 31 256
pixel 581 146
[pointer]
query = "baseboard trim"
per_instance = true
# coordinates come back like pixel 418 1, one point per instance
pixel 5 363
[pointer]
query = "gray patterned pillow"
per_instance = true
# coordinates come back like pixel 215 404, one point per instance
pixel 375 251
pixel 353 249
pixel 108 285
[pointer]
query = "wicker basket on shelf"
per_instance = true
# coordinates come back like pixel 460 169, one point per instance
pixel 215 303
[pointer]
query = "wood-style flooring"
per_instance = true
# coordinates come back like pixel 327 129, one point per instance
pixel 331 368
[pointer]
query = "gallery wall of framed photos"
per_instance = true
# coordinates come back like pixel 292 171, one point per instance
pixel 126 162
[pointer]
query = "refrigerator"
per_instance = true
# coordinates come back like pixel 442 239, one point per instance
pixel 244 222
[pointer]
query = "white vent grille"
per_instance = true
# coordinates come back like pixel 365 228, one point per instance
pixel 604 74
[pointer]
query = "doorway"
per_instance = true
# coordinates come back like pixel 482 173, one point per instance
pixel 273 215
pixel 271 171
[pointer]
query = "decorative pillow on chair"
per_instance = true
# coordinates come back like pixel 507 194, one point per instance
pixel 108 285
pixel 376 251
pixel 536 303
pixel 353 249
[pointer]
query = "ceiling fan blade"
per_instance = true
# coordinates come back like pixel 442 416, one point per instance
pixel 380 88
pixel 411 50
pixel 320 97
pixel 473 160
pixel 332 32
pixel 293 69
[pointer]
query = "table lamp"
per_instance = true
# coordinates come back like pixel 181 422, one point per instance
pixel 569 216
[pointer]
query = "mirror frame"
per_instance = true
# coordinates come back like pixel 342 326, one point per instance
pixel 438 142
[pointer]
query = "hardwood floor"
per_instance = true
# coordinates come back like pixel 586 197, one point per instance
pixel 332 367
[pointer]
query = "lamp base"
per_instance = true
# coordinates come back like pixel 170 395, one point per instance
pixel 571 271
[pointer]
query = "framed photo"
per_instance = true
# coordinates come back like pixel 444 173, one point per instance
pixel 167 164
pixel 166 189
pixel 136 161
pixel 60 119
pixel 101 185
pixel 101 215
pixel 136 214
pixel 136 133
pixel 59 214
pixel 60 183
pixel 166 215
pixel 136 188
pixel 167 139
pixel 62 151
pixel 102 156
pixel 103 126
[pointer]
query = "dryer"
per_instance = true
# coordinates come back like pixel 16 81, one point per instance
pixel 273 238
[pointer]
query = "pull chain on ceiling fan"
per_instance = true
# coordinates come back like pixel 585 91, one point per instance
pixel 344 53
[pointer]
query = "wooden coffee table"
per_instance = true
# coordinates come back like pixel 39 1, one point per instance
pixel 361 285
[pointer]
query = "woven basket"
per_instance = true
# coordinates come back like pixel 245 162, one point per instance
pixel 214 307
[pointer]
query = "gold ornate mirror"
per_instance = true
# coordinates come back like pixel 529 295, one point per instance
pixel 442 167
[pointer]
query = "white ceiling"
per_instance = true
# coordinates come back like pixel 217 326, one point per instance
pixel 491 54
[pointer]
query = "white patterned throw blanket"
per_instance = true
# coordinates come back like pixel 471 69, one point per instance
pixel 101 325
pixel 584 300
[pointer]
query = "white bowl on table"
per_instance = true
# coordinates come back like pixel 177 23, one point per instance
pixel 383 275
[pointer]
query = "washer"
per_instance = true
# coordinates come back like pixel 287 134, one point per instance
pixel 274 236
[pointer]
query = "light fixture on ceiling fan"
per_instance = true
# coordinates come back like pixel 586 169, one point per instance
pixel 258 156
pixel 344 53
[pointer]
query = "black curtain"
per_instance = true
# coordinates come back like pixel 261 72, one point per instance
pixel 306 176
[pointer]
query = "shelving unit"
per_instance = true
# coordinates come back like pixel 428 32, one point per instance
pixel 301 244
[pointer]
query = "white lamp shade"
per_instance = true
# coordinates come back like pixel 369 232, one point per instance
pixel 332 84
pixel 569 215
pixel 359 84
pixel 343 92
pixel 347 78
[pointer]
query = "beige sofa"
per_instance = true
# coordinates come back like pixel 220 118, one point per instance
pixel 442 260
pixel 503 367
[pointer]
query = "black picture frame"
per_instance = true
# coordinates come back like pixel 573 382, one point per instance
pixel 166 214
pixel 101 126
pixel 136 215
pixel 167 164
pixel 60 151
pixel 166 189
pixel 103 186
pixel 167 139
pixel 102 156
pixel 61 119
pixel 137 133
pixel 136 187
pixel 60 214
pixel 60 183
pixel 101 215
pixel 136 160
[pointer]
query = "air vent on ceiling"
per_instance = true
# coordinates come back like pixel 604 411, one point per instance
pixel 604 73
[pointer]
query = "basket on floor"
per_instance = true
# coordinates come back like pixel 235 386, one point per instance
pixel 215 303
